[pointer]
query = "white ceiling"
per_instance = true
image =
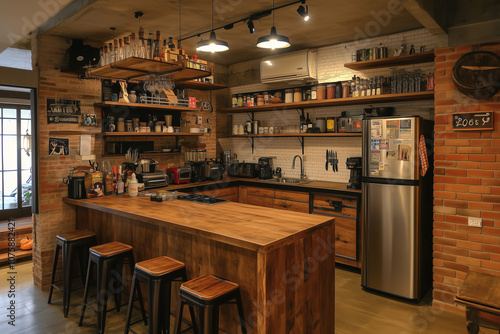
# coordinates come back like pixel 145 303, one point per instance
pixel 331 22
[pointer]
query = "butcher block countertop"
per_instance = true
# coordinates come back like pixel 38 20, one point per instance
pixel 252 227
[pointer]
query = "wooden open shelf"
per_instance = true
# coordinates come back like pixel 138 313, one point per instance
pixel 200 85
pixel 134 68
pixel 417 58
pixel 358 134
pixel 141 155
pixel 135 134
pixel 335 102
pixel 19 254
pixel 110 104
pixel 72 132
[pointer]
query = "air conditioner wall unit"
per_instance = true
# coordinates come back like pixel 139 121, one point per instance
pixel 294 66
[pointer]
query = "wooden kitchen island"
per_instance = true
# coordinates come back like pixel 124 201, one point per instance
pixel 284 261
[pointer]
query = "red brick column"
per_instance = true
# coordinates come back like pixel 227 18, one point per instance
pixel 466 184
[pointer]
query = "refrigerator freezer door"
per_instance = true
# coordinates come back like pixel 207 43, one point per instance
pixel 390 146
pixel 390 239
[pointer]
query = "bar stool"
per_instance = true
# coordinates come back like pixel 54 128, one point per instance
pixel 209 292
pixel 107 257
pixel 158 273
pixel 72 243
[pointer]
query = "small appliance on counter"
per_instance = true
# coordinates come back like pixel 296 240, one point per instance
pixel 212 171
pixel 266 168
pixel 196 170
pixel 179 175
pixel 153 180
pixel 354 164
pixel 247 169
pixel 76 187
pixel 146 166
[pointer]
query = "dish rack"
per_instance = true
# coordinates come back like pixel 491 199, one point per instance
pixel 163 101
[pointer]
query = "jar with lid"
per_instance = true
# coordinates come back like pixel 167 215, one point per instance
pixel 306 95
pixel 313 93
pixel 330 124
pixel 120 125
pixel 266 97
pixel 330 91
pixel 321 124
pixel 234 101
pixel 260 100
pixel 135 124
pixel 240 100
pixel 320 92
pixel 297 95
pixel 143 127
pixel 288 95
pixel 345 89
pixel 128 126
pixel 111 124
pixel 132 97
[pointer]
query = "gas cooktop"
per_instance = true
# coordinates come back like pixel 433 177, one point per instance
pixel 205 199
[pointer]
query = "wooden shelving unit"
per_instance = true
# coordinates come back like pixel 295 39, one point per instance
pixel 159 134
pixel 142 155
pixel 308 135
pixel 200 85
pixel 417 58
pixel 110 104
pixel 387 98
pixel 135 68
pixel 71 132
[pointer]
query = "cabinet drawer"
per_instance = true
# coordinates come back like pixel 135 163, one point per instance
pixel 259 200
pixel 291 205
pixel 345 238
pixel 335 205
pixel 296 196
pixel 264 192
pixel 220 192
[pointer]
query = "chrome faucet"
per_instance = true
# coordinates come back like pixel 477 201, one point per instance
pixel 302 175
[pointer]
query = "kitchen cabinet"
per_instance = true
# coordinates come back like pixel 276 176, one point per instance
pixel 278 199
pixel 258 196
pixel 227 193
pixel 346 210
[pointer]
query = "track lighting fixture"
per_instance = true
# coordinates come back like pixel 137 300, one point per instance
pixel 212 44
pixel 304 12
pixel 273 40
pixel 251 27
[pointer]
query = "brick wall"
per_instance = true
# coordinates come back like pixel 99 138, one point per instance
pixel 54 216
pixel 466 184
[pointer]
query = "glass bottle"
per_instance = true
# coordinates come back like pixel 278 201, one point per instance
pixel 378 88
pixel 156 51
pixel 129 51
pixel 394 88
pixel 405 82
pixel 111 53
pixel 142 44
pixel 354 87
pixel 116 50
pixel 303 125
pixel 121 50
pixel 133 45
pixel 368 87
pixel 101 57
pixel 411 82
pixel 308 122
pixel 151 123
pixel 163 51
pixel 417 81
pixel 150 47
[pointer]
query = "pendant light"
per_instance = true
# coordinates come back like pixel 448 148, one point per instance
pixel 212 44
pixel 273 40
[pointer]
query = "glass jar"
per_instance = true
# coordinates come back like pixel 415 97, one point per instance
pixel 128 126
pixel 345 89
pixel 297 95
pixel 321 92
pixel 111 125
pixel 132 97
pixel 330 124
pixel 240 100
pixel 288 95
pixel 120 125
pixel 135 124
pixel 266 97
pixel 321 124
pixel 330 91
pixel 260 100
pixel 313 93
pixel 234 101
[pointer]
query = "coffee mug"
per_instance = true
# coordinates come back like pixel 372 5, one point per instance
pixel 170 129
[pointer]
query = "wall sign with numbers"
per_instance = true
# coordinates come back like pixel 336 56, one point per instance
pixel 473 121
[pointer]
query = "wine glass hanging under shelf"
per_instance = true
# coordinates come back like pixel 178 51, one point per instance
pixel 163 101
pixel 156 86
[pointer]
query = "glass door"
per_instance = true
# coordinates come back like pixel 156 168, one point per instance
pixel 15 161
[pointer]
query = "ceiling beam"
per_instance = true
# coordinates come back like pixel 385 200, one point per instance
pixel 431 14
pixel 65 13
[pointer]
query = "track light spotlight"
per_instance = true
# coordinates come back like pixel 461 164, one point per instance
pixel 303 12
pixel 251 27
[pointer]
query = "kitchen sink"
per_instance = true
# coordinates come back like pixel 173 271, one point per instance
pixel 289 180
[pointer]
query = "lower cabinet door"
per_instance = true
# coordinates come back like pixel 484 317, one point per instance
pixel 345 238
pixel 291 205
pixel 259 200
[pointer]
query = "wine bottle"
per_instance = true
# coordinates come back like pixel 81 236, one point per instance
pixel 308 122
pixel 303 125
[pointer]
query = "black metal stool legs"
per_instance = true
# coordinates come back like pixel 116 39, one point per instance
pixel 86 291
pixel 54 269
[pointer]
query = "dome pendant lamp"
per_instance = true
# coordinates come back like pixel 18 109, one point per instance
pixel 273 40
pixel 212 44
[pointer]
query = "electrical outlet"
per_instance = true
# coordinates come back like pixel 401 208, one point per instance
pixel 199 120
pixel 476 222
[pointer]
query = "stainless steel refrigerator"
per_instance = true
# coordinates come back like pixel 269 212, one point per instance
pixel 396 207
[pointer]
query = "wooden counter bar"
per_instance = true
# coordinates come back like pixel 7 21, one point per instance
pixel 284 261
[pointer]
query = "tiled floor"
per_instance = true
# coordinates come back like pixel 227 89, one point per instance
pixel 357 311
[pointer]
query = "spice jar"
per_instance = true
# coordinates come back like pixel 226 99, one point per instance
pixel 288 95
pixel 297 95
pixel 345 89
pixel 132 97
pixel 266 97
pixel 143 127
pixel 321 124
pixel 120 125
pixel 240 100
pixel 330 124
pixel 260 100
pixel 135 124
pixel 321 92
pixel 330 91
pixel 313 93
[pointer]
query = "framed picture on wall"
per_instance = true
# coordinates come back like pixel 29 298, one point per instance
pixel 58 146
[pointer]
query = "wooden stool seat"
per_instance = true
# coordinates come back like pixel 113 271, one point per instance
pixel 159 265
pixel 480 293
pixel 75 235
pixel 208 287
pixel 111 248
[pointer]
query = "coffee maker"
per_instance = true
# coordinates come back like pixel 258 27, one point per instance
pixel 354 164
pixel 266 168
